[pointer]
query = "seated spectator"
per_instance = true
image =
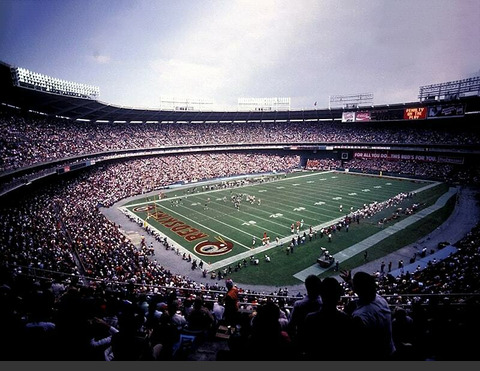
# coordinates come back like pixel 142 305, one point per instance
pixel 200 319
pixel 130 343
pixel 267 341
pixel 404 337
pixel 163 338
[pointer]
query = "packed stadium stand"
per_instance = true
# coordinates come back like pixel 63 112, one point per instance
pixel 73 287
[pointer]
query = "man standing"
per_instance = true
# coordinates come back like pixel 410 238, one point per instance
pixel 231 304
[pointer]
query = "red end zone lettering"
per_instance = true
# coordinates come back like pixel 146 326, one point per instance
pixel 196 236
pixel 178 227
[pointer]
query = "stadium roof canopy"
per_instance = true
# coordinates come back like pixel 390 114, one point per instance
pixel 87 109
pixel 75 108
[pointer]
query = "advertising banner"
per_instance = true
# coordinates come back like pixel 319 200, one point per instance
pixel 445 111
pixel 363 116
pixel 348 116
pixel 407 156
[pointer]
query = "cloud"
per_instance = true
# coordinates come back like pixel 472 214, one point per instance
pixel 101 59
pixel 306 50
pixel 228 50
pixel 183 78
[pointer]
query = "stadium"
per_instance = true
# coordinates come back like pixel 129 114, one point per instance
pixel 105 205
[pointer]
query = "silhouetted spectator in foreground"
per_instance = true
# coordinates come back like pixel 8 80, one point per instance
pixel 403 331
pixel 200 319
pixel 327 333
pixel 267 340
pixel 131 343
pixel 372 320
pixel 312 302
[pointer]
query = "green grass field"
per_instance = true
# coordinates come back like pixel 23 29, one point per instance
pixel 204 221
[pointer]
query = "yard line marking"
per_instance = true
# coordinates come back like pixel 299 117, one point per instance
pixel 208 228
pixel 299 209
pixel 211 229
pixel 242 186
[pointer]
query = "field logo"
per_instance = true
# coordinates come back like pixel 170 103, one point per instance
pixel 140 209
pixel 210 248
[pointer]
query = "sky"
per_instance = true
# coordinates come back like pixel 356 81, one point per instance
pixel 137 51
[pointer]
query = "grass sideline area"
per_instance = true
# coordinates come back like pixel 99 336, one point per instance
pixel 203 221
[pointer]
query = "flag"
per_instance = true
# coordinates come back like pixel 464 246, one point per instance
pixel 315 103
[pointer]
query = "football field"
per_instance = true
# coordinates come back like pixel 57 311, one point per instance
pixel 224 223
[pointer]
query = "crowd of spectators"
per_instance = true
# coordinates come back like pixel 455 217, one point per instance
pixel 36 139
pixel 323 164
pixel 430 170
pixel 446 172
pixel 55 319
pixel 64 220
pixel 75 288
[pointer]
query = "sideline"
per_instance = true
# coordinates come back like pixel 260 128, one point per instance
pixel 353 250
pixel 464 217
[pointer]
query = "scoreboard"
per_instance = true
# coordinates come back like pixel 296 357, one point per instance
pixel 418 113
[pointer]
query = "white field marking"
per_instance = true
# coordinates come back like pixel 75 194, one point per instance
pixel 247 206
pixel 352 194
pixel 222 190
pixel 296 184
pixel 365 190
pixel 241 220
pixel 319 203
pixel 280 187
pixel 210 229
pixel 299 209
pixel 262 190
pixel 336 198
pixel 310 181
pixel 431 184
pixel 277 215
pixel 224 262
pixel 267 220
pixel 286 238
pixel 379 186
